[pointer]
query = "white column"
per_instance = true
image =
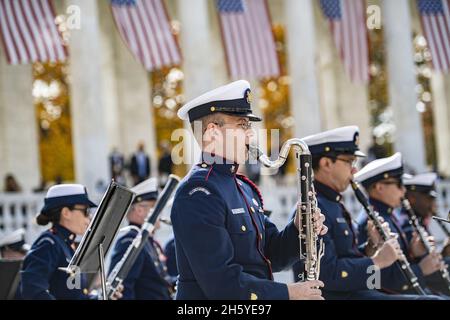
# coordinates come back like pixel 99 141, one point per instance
pixel 199 57
pixel 19 151
pixel 353 107
pixel 301 42
pixel 402 82
pixel 90 135
pixel 441 110
pixel 135 104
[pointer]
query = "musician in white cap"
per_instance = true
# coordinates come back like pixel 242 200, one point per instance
pixel 226 247
pixel 148 278
pixel 345 264
pixel 421 194
pixel 382 180
pixel 12 245
pixel 66 207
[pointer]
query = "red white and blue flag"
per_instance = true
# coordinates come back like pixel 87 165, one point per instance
pixel 435 16
pixel 248 38
pixel 347 21
pixel 145 28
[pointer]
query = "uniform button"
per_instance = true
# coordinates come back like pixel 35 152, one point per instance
pixel 252 209
pixel 85 291
pixel 243 228
pixel 346 232
pixel 253 296
pixel 405 287
pixel 156 264
pixel 344 274
pixel 213 109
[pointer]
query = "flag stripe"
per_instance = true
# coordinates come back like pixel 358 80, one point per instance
pixel 248 41
pixel 148 34
pixel 145 28
pixel 33 28
pixel 43 30
pixel 52 31
pixel 164 33
pixel 157 42
pixel 8 42
pixel 32 18
pixel 26 35
pixel 20 50
pixel 170 37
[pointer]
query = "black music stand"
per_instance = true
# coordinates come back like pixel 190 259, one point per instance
pixel 90 254
pixel 9 278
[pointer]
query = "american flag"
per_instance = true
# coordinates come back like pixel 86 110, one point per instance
pixel 435 16
pixel 348 25
pixel 29 32
pixel 144 26
pixel 248 38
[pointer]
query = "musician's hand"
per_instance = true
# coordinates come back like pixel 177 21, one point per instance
pixel 389 252
pixel 431 263
pixel 319 219
pixel 373 235
pixel 416 246
pixel 305 290
pixel 118 294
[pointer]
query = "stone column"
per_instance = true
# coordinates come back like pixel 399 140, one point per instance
pixel 90 135
pixel 402 82
pixel 304 91
pixel 19 145
pixel 199 57
pixel 441 109
pixel 135 105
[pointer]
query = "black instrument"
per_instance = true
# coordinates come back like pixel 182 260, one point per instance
pixel 403 262
pixel 423 236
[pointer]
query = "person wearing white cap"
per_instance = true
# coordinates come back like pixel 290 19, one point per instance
pixel 346 263
pixel 148 278
pixel 382 179
pixel 421 194
pixel 226 247
pixel 13 246
pixel 66 207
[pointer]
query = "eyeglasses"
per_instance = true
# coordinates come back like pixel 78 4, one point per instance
pixel 398 183
pixel 351 162
pixel 85 211
pixel 244 125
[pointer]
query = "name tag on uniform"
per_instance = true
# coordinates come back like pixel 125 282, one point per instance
pixel 341 220
pixel 238 210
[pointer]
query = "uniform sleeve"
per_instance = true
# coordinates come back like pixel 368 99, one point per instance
pixel 282 247
pixel 171 261
pixel 392 277
pixel 342 273
pixel 198 217
pixel 38 268
pixel 130 281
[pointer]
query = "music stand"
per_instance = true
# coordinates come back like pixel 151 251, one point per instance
pixel 9 278
pixel 90 254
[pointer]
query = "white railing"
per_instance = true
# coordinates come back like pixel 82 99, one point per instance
pixel 19 210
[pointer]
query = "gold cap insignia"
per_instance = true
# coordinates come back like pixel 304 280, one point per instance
pixel 249 96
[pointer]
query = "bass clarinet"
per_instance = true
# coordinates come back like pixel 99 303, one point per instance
pixel 311 247
pixel 403 262
pixel 423 236
pixel 123 267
